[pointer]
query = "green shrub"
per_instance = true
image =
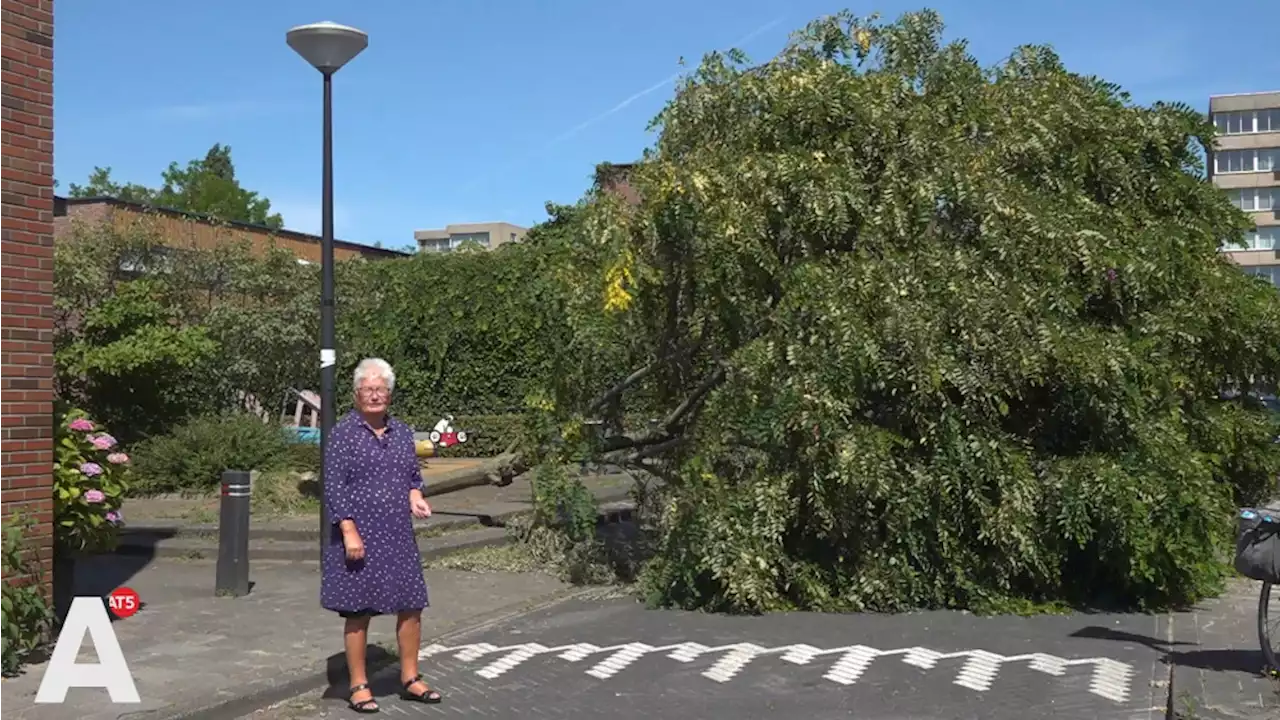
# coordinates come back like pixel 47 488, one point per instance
pixel 27 614
pixel 467 333
pixel 304 457
pixel 192 457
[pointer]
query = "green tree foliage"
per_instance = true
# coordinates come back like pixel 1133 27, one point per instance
pixel 149 333
pixel 926 333
pixel 206 186
pixel 468 332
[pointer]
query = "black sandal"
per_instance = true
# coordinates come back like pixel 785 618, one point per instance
pixel 366 707
pixel 430 697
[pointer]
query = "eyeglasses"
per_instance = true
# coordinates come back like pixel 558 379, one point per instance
pixel 374 392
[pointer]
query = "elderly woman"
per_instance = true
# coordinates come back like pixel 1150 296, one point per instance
pixel 372 487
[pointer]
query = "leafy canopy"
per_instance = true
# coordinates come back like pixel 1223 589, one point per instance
pixel 206 186
pixel 148 331
pixel 928 333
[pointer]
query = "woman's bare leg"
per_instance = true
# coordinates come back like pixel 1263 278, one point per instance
pixel 409 638
pixel 355 640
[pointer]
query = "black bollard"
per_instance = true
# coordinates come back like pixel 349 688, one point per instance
pixel 233 535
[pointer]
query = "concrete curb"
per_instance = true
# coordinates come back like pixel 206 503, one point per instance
pixel 301 546
pixel 315 677
pixel 307 551
pixel 146 533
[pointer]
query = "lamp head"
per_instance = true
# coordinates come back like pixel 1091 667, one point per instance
pixel 326 45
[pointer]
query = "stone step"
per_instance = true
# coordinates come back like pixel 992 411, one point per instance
pixel 300 529
pixel 304 528
pixel 434 540
pixel 197 548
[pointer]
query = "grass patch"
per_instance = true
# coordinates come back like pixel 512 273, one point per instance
pixel 510 558
pixel 201 516
pixel 604 561
pixel 285 492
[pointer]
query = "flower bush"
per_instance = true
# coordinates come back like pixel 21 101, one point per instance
pixel 90 480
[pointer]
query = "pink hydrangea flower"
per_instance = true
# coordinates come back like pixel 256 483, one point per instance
pixel 91 469
pixel 94 496
pixel 81 425
pixel 114 516
pixel 117 458
pixel 102 442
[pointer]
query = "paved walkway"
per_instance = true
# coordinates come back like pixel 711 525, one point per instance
pixel 614 658
pixel 188 649
pixel 1218 664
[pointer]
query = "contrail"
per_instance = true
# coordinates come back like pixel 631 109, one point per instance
pixel 653 88
pixel 625 103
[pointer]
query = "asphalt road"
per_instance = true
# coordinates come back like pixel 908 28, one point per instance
pixel 614 658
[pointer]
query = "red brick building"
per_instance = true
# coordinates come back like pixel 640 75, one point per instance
pixel 26 271
pixel 184 230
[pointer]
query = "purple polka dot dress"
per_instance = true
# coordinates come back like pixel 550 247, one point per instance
pixel 367 479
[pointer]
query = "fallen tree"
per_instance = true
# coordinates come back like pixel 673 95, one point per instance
pixel 919 332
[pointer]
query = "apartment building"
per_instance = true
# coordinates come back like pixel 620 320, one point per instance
pixel 485 235
pixel 1245 163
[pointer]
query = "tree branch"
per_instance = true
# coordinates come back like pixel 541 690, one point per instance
pixel 654 450
pixel 612 393
pixel 673 421
pixel 598 404
pixel 618 450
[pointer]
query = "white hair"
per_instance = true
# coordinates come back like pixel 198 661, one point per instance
pixel 375 367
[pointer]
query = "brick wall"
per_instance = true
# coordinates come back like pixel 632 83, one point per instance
pixel 26 271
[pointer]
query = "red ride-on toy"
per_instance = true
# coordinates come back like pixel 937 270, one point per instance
pixel 443 435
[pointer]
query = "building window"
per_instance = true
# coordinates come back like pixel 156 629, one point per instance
pixel 1266 272
pixel 1246 161
pixel 1254 199
pixel 1246 122
pixel 481 238
pixel 1264 238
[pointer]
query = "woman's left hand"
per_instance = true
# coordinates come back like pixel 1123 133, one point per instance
pixel 418 506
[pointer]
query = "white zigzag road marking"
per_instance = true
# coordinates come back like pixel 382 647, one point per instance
pixel 1111 679
pixel 732 662
pixel 619 660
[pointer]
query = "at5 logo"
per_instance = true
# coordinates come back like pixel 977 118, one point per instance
pixel 88 615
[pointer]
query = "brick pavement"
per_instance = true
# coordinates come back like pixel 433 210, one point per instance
pixel 189 649
pixel 1218 666
pixel 580 659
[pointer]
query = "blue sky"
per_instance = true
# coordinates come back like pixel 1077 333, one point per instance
pixel 476 110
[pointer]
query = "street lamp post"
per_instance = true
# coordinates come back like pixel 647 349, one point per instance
pixel 327 46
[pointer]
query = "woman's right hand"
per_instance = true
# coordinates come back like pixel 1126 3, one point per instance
pixel 353 544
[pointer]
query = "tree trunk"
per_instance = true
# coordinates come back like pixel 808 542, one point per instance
pixel 499 471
